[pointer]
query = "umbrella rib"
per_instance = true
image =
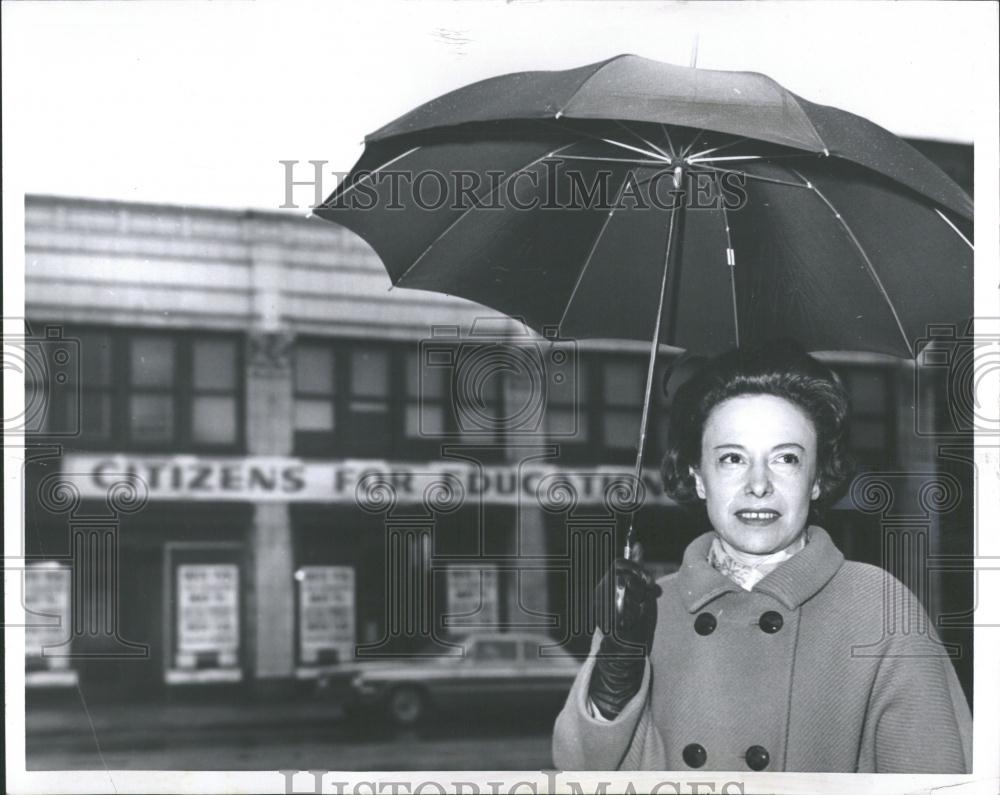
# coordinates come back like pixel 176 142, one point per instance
pixel 641 138
pixel 637 161
pixel 469 209
pixel 757 177
pixel 718 148
pixel 690 146
pixel 958 232
pixel 730 261
pixel 590 255
pixel 864 255
pixel 659 155
pixel 664 159
pixel 367 177
pixel 700 160
pixel 670 143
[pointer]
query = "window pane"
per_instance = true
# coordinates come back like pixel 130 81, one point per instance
pixel 868 391
pixel 214 364
pixel 567 384
pixel 621 429
pixel 152 418
pixel 314 369
pixel 495 650
pixel 96 419
pixel 213 420
pixel 868 435
pixel 624 383
pixel 313 415
pixel 95 356
pixel 369 406
pixel 425 419
pixel 531 651
pixel 568 425
pixel 370 373
pixel 423 378
pixel 152 361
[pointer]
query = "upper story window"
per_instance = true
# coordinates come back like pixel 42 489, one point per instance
pixel 150 390
pixel 873 414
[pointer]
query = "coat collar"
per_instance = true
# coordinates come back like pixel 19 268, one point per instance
pixel 792 583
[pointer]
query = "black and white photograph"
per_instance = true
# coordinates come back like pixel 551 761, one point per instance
pixel 501 397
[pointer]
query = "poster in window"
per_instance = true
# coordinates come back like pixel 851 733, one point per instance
pixel 208 626
pixel 326 614
pixel 47 615
pixel 473 599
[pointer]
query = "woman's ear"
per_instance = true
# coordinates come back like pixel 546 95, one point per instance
pixel 699 484
pixel 817 489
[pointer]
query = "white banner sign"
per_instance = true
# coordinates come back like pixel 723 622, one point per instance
pixel 373 484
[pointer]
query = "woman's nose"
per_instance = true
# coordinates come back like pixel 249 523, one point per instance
pixel 759 481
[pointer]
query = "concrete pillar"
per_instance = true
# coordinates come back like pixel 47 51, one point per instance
pixel 270 432
pixel 274 603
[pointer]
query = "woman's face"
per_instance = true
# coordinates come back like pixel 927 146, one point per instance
pixel 758 471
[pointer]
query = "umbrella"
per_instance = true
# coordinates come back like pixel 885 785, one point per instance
pixel 695 208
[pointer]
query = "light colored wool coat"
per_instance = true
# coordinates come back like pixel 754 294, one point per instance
pixel 837 688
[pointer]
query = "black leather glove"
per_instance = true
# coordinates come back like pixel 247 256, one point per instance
pixel 621 658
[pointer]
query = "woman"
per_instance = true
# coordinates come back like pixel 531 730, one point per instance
pixel 766 650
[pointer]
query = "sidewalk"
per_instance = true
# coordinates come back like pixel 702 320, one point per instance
pixel 150 723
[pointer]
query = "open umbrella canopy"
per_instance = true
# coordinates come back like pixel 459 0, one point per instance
pixel 576 199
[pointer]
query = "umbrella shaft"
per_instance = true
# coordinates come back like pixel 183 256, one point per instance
pixel 669 253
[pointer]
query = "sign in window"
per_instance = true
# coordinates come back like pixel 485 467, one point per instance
pixel 326 614
pixel 473 599
pixel 208 626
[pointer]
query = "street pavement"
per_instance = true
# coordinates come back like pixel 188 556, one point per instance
pixel 297 734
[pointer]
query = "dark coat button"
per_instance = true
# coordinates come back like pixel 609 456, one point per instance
pixel 757 757
pixel 704 624
pixel 694 755
pixel 771 622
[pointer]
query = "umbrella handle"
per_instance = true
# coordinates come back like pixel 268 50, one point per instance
pixel 620 589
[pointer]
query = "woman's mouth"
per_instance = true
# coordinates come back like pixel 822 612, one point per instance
pixel 758 518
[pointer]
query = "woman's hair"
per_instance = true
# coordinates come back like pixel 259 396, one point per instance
pixel 779 368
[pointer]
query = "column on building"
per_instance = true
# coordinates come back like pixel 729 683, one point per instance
pixel 269 433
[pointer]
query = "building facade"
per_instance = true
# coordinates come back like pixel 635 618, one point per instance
pixel 255 463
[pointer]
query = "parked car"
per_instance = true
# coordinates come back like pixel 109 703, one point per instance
pixel 490 670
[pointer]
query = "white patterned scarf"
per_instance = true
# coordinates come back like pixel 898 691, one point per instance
pixel 745 569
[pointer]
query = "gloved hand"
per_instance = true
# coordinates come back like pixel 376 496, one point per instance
pixel 621 658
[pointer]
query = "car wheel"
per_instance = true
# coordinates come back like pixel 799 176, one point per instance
pixel 407 706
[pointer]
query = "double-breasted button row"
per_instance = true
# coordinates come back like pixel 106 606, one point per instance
pixel 756 756
pixel 770 622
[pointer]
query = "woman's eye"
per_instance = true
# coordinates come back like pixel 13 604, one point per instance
pixel 730 458
pixel 788 458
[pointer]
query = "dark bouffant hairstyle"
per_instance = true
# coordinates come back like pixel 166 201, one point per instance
pixel 779 368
